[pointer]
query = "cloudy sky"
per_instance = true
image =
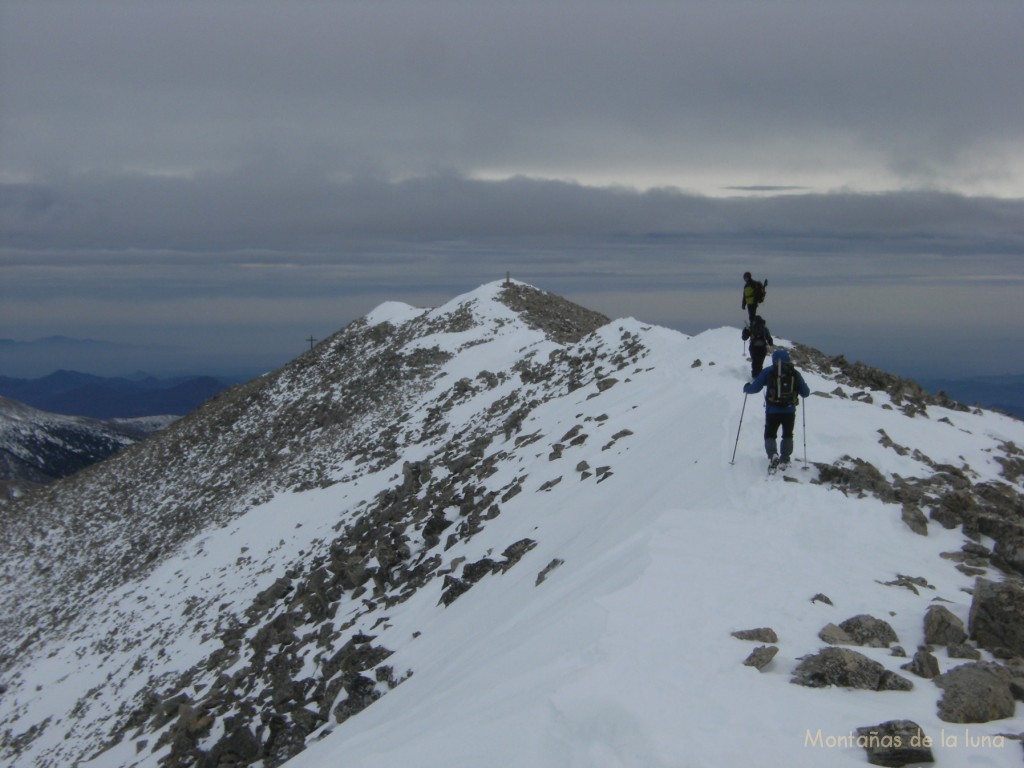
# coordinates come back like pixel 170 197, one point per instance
pixel 220 180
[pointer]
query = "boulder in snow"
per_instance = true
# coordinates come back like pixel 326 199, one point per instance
pixel 761 656
pixel 895 743
pixel 760 635
pixel 833 635
pixel 869 631
pixel 924 664
pixel 943 627
pixel 848 669
pixel 975 693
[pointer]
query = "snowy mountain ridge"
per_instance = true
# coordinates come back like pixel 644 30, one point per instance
pixel 505 530
pixel 36 447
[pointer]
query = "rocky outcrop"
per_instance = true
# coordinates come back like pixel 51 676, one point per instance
pixel 997 617
pixel 760 635
pixel 943 627
pixel 949 495
pixel 895 743
pixel 924 664
pixel 833 635
pixel 869 631
pixel 847 669
pixel 976 693
pixel 905 393
pixel 860 630
pixel 559 319
pixel 761 656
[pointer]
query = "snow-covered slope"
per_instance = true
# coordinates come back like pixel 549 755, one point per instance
pixel 36 447
pixel 502 532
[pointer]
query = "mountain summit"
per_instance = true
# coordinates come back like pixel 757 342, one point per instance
pixel 506 531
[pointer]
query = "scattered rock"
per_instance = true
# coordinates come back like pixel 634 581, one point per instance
pixel 975 693
pixel 453 588
pixel 239 746
pixel 360 691
pixel 857 478
pixel 848 669
pixel 924 664
pixel 514 553
pixel 968 570
pixel 943 627
pixel 761 635
pixel 761 656
pixel 963 651
pixel 547 570
pixel 895 743
pixel 820 598
pixel 915 519
pixel 908 582
pixel 869 631
pixel 833 635
pixel 547 486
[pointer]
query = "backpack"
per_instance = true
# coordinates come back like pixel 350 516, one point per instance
pixel 758 335
pixel 760 290
pixel 782 386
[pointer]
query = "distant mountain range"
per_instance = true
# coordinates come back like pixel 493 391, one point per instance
pixel 99 397
pixel 31 359
pixel 39 357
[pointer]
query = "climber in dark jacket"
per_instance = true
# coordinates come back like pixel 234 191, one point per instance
pixel 778 414
pixel 760 339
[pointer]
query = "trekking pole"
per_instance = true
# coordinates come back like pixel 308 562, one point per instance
pixel 744 408
pixel 803 408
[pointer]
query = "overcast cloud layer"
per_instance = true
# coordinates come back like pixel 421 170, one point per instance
pixel 233 176
pixel 699 95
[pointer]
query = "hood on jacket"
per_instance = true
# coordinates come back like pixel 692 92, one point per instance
pixel 780 354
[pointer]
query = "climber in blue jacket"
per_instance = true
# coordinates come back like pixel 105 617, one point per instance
pixel 784 387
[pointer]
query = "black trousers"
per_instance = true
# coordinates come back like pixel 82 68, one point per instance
pixel 772 422
pixel 757 355
pixel 751 312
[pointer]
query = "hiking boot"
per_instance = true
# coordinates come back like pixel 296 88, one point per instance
pixel 786 448
pixel 783 463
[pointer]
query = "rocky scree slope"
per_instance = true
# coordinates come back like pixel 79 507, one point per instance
pixel 951 495
pixel 338 413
